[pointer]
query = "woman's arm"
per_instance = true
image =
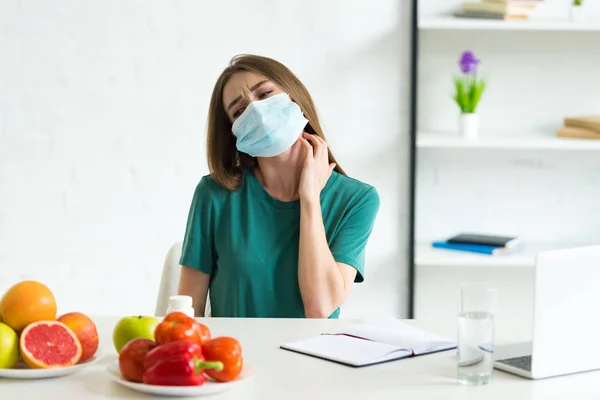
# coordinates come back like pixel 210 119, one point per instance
pixel 194 283
pixel 324 283
pixel 197 251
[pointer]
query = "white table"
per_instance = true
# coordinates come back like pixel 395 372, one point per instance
pixel 283 375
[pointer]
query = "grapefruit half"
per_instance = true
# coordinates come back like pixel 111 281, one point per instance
pixel 49 344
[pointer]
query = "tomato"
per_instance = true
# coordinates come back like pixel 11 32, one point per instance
pixel 178 326
pixel 205 333
pixel 132 356
pixel 227 350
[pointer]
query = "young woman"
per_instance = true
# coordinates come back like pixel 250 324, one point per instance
pixel 277 229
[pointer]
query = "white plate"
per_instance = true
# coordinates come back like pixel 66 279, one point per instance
pixel 22 371
pixel 209 387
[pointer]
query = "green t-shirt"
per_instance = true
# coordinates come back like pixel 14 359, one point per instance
pixel 248 242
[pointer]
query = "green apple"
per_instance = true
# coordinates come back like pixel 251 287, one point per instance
pixel 130 328
pixel 9 346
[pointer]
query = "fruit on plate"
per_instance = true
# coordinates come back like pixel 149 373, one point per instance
pixel 135 327
pixel 85 330
pixel 204 333
pixel 178 363
pixel 178 326
pixel 9 346
pixel 27 302
pixel 227 350
pixel 132 357
pixel 49 344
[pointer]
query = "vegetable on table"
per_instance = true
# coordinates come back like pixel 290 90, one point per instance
pixel 177 349
pixel 228 351
pixel 178 326
pixel 184 370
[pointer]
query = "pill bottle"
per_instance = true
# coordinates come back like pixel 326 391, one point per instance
pixel 182 304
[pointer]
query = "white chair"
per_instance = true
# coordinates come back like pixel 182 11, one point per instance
pixel 169 281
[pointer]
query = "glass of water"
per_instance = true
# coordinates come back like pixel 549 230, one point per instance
pixel 477 306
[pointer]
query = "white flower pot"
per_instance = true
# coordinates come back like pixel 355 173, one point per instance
pixel 468 125
pixel 576 13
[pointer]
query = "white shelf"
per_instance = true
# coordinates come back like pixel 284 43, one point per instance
pixel 452 23
pixel 425 255
pixel 532 141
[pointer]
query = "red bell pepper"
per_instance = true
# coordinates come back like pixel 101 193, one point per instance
pixel 178 349
pixel 182 371
pixel 229 352
pixel 178 326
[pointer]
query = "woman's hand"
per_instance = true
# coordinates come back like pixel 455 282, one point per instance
pixel 316 169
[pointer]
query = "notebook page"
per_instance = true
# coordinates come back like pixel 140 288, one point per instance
pixel 347 350
pixel 400 334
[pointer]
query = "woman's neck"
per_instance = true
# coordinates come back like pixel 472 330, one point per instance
pixel 280 175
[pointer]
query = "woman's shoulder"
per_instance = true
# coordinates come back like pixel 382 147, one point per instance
pixel 209 184
pixel 210 187
pixel 356 191
pixel 208 190
pixel 353 185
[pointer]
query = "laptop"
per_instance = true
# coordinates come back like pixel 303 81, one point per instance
pixel 566 317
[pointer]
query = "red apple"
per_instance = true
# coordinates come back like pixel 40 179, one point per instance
pixel 132 356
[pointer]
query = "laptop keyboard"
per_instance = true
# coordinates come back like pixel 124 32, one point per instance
pixel 523 363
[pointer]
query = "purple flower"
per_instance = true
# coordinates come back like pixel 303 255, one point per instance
pixel 468 62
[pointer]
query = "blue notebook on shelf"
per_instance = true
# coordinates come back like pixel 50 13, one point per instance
pixel 473 248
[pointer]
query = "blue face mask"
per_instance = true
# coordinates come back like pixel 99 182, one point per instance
pixel 269 127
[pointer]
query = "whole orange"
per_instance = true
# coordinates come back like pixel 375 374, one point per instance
pixel 27 302
pixel 85 330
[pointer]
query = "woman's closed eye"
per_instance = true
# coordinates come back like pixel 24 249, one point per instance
pixel 261 96
pixel 238 112
pixel 264 95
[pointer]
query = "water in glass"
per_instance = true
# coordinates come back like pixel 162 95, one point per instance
pixel 475 347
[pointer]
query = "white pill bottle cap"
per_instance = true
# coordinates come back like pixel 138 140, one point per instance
pixel 181 303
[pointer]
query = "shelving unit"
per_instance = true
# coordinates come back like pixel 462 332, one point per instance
pixel 437 273
pixel 525 141
pixel 427 256
pixel 452 23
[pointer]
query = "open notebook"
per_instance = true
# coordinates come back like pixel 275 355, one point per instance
pixel 361 345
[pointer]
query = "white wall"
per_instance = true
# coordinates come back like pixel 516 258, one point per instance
pixel 102 123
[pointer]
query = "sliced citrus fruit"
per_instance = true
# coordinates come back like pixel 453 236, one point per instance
pixel 49 344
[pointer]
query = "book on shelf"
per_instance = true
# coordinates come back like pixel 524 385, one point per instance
pixel 473 248
pixel 589 122
pixel 523 2
pixel 498 7
pixel 486 239
pixel 492 245
pixel 487 15
pixel 577 133
pixel 361 345
pixel 508 10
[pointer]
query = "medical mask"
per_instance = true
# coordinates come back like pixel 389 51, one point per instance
pixel 269 127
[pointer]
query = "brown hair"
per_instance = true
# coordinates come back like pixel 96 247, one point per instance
pixel 225 163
